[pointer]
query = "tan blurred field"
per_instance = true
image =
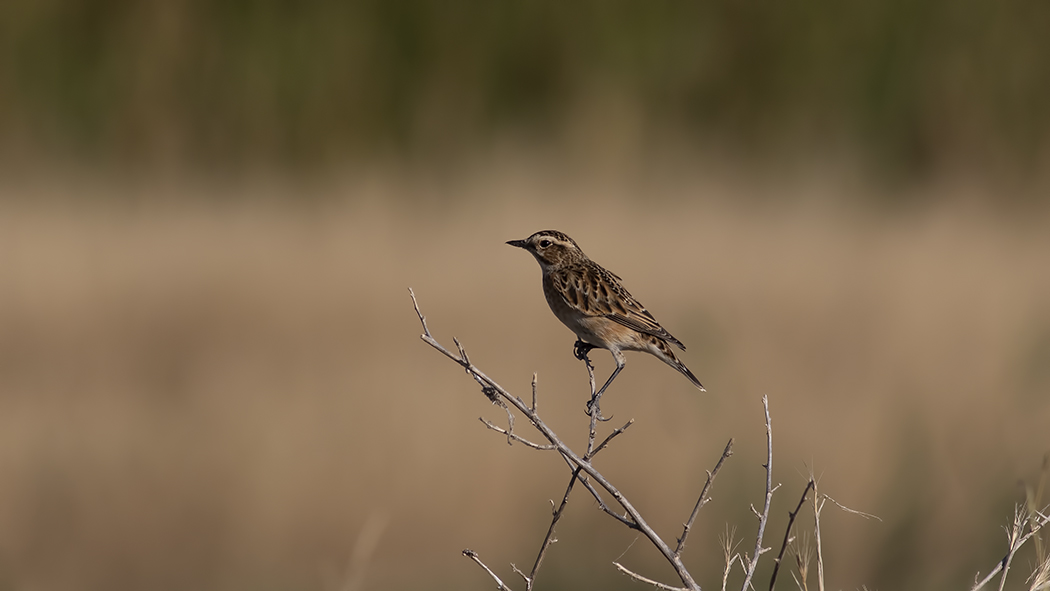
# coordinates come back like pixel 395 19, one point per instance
pixel 206 386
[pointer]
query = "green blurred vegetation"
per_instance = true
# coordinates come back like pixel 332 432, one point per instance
pixel 912 86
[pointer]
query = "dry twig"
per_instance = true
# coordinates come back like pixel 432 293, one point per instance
pixel 647 580
pixel 549 539
pixel 752 562
pixel 787 532
pixel 474 556
pixel 703 498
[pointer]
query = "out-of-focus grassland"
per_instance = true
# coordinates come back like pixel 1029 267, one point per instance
pixel 213 393
pixel 210 376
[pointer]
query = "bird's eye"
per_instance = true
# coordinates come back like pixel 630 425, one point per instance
pixel 545 243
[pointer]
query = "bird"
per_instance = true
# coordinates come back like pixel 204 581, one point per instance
pixel 593 303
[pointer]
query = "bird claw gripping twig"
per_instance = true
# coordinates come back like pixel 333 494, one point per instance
pixel 593 406
pixel 581 349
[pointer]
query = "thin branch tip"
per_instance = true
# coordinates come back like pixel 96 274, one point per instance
pixel 704 496
pixel 640 578
pixel 474 556
pixel 763 518
pixel 422 319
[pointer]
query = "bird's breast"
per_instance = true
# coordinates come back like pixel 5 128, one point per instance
pixel 596 330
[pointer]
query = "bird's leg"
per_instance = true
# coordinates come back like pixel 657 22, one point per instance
pixel 581 349
pixel 593 405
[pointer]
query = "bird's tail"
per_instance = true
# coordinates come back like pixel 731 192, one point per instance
pixel 661 349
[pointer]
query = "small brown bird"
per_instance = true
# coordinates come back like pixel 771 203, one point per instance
pixel 593 304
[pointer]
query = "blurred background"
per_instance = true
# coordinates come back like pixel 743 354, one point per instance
pixel 210 372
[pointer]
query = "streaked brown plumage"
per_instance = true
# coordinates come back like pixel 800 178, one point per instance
pixel 593 303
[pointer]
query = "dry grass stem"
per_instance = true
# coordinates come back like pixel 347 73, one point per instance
pixel 1040 577
pixel 1013 534
pixel 1024 519
pixel 818 506
pixel 819 500
pixel 1034 497
pixel 731 555
pixel 847 509
pixel 803 555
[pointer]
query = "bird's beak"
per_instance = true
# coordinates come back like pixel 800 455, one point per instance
pixel 518 243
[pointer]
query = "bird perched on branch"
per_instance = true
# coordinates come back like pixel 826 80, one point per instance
pixel 592 303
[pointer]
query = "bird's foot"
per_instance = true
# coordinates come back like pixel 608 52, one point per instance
pixel 581 349
pixel 491 394
pixel 593 408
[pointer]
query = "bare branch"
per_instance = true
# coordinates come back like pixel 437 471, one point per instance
pixel 474 556
pixel 534 407
pixel 634 518
pixel 549 539
pixel 514 436
pixel 752 563
pixel 602 445
pixel 422 320
pixel 598 497
pixel 639 577
pixel 510 417
pixel 787 532
pixel 462 351
pixel 518 572
pixel 624 519
pixel 557 513
pixel 703 498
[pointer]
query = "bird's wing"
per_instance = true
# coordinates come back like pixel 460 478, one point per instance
pixel 593 291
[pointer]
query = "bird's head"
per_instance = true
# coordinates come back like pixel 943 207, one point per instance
pixel 551 248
